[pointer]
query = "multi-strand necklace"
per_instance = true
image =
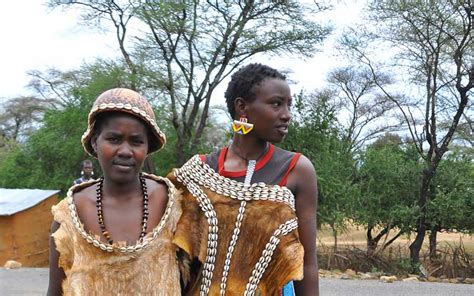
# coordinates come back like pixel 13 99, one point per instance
pixel 100 212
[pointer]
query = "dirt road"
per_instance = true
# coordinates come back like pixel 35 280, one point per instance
pixel 34 281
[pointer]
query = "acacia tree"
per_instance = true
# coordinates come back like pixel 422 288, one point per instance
pixel 19 116
pixel 387 191
pixel 453 207
pixel 191 46
pixel 367 110
pixel 433 47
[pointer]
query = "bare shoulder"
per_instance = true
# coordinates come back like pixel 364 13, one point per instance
pixel 303 176
pixel 157 189
pixel 304 165
pixel 84 198
pixel 158 198
pixel 306 177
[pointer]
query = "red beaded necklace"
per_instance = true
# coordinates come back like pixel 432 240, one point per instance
pixel 100 212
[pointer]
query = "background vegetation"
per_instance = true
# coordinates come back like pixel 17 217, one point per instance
pixel 391 134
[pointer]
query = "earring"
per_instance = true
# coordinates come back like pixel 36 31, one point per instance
pixel 242 126
pixel 92 173
pixel 82 173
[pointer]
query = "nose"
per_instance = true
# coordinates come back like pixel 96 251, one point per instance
pixel 125 150
pixel 285 114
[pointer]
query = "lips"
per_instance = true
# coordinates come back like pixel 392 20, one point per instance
pixel 124 164
pixel 282 129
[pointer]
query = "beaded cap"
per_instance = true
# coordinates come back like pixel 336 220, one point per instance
pixel 128 101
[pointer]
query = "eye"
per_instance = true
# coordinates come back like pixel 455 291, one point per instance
pixel 113 139
pixel 138 142
pixel 276 103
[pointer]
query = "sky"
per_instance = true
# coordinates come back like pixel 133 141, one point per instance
pixel 35 37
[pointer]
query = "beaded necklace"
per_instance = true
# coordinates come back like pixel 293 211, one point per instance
pixel 100 212
pixel 231 147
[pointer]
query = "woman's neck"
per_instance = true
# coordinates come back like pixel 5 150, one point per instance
pixel 121 189
pixel 248 148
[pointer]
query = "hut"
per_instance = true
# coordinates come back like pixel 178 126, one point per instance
pixel 25 222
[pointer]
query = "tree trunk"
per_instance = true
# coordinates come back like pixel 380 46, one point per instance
pixel 181 156
pixel 387 244
pixel 416 245
pixel 334 234
pixel 433 242
pixel 371 244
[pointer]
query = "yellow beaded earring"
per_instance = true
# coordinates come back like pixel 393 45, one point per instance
pixel 242 126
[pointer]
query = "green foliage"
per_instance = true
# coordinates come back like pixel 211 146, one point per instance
pixel 388 181
pixel 314 132
pixel 7 147
pixel 165 159
pixel 51 156
pixel 453 207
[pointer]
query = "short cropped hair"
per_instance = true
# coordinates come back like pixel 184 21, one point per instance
pixel 242 83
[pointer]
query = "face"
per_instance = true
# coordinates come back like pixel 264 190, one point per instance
pixel 87 169
pixel 270 111
pixel 121 147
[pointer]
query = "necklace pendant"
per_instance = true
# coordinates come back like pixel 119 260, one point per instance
pixel 250 171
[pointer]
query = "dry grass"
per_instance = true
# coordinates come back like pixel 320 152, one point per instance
pixel 455 254
pixel 356 236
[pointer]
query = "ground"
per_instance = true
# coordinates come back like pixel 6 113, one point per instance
pixel 34 281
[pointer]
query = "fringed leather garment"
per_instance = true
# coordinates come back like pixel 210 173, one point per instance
pixel 93 267
pixel 244 235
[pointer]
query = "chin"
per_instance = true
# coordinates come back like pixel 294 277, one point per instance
pixel 276 139
pixel 124 178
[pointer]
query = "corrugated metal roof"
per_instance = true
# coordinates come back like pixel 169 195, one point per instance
pixel 16 200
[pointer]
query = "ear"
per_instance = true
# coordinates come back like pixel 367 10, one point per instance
pixel 240 106
pixel 94 143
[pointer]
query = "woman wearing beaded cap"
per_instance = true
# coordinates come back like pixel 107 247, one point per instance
pixel 249 210
pixel 112 236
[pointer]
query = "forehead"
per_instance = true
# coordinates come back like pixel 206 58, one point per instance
pixel 273 87
pixel 121 120
pixel 87 165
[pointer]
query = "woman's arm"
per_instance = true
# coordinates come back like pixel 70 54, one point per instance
pixel 56 274
pixel 306 196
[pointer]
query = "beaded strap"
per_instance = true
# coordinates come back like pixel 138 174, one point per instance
pixel 267 254
pixel 142 244
pixel 235 233
pixel 210 213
